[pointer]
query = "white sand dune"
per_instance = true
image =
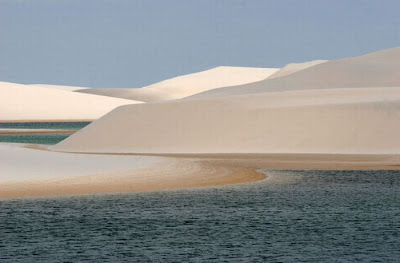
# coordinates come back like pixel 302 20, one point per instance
pixel 364 120
pixel 60 87
pixel 186 85
pixel 141 94
pixel 25 102
pixel 378 69
pixel 294 67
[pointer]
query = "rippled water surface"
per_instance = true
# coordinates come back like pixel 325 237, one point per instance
pixel 39 138
pixel 303 216
pixel 44 125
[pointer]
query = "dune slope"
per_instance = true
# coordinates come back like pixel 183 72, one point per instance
pixel 361 120
pixel 186 85
pixel 294 67
pixel 60 87
pixel 378 69
pixel 25 102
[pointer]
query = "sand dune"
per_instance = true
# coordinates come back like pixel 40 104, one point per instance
pixel 186 85
pixel 26 102
pixel 294 67
pixel 378 69
pixel 60 87
pixel 141 94
pixel 363 120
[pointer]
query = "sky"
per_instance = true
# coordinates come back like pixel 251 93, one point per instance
pixel 128 43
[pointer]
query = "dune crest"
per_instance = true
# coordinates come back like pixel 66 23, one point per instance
pixel 36 103
pixel 186 85
pixel 294 67
pixel 378 69
pixel 59 87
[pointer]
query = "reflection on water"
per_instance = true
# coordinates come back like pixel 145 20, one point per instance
pixel 302 216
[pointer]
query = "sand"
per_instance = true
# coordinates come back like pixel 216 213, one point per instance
pixel 378 69
pixel 24 102
pixel 186 85
pixel 45 173
pixel 363 120
pixel 340 114
pixel 59 87
pixel 34 172
pixel 295 67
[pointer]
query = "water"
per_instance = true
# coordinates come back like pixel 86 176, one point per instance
pixel 34 138
pixel 44 125
pixel 39 138
pixel 303 216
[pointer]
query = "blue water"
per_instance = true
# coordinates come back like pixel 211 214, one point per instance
pixel 34 138
pixel 39 138
pixel 44 125
pixel 302 216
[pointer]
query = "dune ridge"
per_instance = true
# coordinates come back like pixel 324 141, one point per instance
pixel 378 69
pixel 294 67
pixel 59 87
pixel 25 102
pixel 186 85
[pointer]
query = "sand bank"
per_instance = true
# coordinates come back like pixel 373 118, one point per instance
pixel 33 172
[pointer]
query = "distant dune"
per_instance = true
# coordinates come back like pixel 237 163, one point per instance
pixel 294 67
pixel 363 120
pixel 186 85
pixel 35 103
pixel 378 69
pixel 60 87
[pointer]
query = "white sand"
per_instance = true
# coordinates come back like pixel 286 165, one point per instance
pixel 26 102
pixel 21 164
pixel 364 120
pixel 378 69
pixel 295 67
pixel 59 87
pixel 186 85
pixel 341 114
pixel 31 172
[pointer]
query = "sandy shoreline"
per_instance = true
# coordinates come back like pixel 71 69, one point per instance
pixel 162 172
pixel 174 175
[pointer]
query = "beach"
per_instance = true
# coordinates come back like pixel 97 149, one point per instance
pixel 46 173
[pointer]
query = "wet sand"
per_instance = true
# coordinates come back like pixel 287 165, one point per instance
pixel 168 171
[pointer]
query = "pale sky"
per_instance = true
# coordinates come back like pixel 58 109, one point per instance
pixel 121 43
